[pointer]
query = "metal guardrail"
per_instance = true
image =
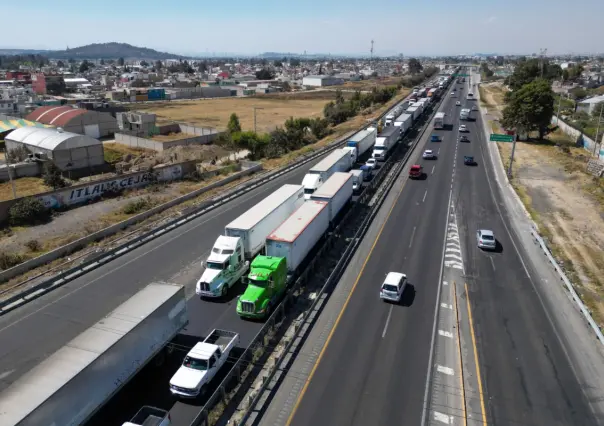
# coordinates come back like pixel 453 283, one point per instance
pixel 569 286
pixel 256 347
pixel 65 276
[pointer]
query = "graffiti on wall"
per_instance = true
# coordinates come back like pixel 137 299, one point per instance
pixel 78 195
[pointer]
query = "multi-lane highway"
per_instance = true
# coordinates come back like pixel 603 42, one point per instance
pixel 375 364
pixel 374 368
pixel 41 327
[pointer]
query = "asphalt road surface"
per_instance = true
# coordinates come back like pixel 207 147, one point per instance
pixel 373 371
pixel 527 377
pixel 41 327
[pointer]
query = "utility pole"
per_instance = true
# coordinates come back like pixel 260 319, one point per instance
pixel 255 108
pixel 559 104
pixel 10 175
pixel 597 130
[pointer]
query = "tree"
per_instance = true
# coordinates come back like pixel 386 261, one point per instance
pixel 158 65
pixel 264 74
pixel 202 67
pixel 415 67
pixel 527 71
pixel 56 86
pixel 234 126
pixel 286 86
pixel 277 63
pixel 294 62
pixel 598 110
pixel 102 62
pixel 578 93
pixel 144 64
pixel 530 107
pixel 60 64
pixel 120 62
pixel 565 75
pixel 84 66
pixel 52 176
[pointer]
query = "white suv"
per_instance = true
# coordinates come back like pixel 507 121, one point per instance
pixel 393 287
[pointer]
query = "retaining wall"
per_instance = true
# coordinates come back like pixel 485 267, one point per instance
pixel 588 143
pixel 111 230
pixel 202 136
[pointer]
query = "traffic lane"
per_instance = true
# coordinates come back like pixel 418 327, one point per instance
pixel 527 376
pixel 393 367
pixel 52 320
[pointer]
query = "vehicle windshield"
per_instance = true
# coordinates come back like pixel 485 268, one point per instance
pixel 390 287
pixel 308 190
pixel 487 237
pixel 216 265
pixel 258 283
pixel 378 148
pixel 222 251
pixel 195 364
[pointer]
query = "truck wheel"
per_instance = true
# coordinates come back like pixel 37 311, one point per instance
pixel 225 290
pixel 269 310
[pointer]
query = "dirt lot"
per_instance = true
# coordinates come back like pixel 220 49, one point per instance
pixel 566 202
pixel 272 111
pixel 370 84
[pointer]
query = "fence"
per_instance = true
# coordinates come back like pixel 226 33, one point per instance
pixel 588 143
pixel 201 136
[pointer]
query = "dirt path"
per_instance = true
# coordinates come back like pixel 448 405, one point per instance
pixel 566 202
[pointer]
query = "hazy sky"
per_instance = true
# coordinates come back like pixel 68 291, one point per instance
pixel 429 27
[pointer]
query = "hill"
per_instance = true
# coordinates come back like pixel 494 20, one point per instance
pixel 110 51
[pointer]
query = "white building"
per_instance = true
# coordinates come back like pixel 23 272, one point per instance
pixel 321 81
pixel 588 105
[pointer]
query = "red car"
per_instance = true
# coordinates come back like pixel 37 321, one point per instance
pixel 416 171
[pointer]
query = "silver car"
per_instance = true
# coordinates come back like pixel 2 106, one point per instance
pixel 486 239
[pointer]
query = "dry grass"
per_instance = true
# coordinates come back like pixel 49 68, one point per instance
pixel 272 111
pixel 24 186
pixel 370 84
pixel 115 152
pixel 492 97
pixel 171 137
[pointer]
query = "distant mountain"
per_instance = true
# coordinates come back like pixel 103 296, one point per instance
pixel 9 52
pixel 110 51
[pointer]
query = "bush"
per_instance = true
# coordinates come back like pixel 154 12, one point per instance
pixel 33 245
pixel 8 260
pixel 137 206
pixel 28 211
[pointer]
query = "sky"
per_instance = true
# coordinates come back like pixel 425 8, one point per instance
pixel 420 27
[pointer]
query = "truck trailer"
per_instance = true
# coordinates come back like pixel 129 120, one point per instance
pixel 286 249
pixel 385 142
pixel 72 384
pixel 337 161
pixel 336 192
pixel 243 239
pixel 360 143
pixel 439 120
pixel 414 111
pixel 404 123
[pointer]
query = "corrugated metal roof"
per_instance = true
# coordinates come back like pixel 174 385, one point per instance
pixel 7 125
pixel 50 139
pixel 55 115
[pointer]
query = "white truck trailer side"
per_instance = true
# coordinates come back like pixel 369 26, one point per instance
pixel 439 120
pixel 361 142
pixel 414 111
pixel 404 123
pixel 385 142
pixel 296 237
pixel 69 386
pixel 338 161
pixel 336 192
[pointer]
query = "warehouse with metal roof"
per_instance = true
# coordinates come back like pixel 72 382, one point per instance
pixel 85 122
pixel 69 151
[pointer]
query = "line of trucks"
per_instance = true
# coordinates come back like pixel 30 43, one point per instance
pixel 270 242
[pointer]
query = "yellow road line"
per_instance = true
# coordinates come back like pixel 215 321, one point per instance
pixel 484 413
pixel 461 376
pixel 354 286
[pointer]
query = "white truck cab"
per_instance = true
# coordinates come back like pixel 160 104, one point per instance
pixel 223 268
pixel 202 363
pixel 311 183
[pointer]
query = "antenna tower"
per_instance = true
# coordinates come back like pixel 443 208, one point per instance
pixel 371 61
pixel 542 53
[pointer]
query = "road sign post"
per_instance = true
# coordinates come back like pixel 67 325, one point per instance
pixel 512 158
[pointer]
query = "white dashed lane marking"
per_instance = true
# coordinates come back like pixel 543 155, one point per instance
pixel 453 257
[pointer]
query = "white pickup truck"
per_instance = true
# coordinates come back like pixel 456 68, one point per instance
pixel 150 416
pixel 202 363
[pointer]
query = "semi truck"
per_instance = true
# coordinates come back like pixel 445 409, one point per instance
pixel 414 111
pixel 357 180
pixel 384 143
pixel 336 192
pixel 404 123
pixel 202 363
pixel 243 239
pixel 360 143
pixel 395 112
pixel 286 249
pixel 338 161
pixel 439 120
pixel 149 416
pixel 69 386
pixel 432 93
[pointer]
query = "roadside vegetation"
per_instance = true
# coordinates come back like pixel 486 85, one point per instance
pixel 551 178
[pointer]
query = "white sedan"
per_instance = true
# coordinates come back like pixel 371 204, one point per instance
pixel 429 154
pixel 457 103
pixel 463 128
pixel 372 163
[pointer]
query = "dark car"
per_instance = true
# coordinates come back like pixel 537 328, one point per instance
pixel 468 160
pixel 464 138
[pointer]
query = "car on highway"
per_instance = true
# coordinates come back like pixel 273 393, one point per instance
pixel 372 164
pixel 452 93
pixel 393 287
pixel 464 138
pixel 434 138
pixel 468 160
pixel 485 239
pixel 429 155
pixel 463 128
pixel 457 103
pixel 474 108
pixel 416 171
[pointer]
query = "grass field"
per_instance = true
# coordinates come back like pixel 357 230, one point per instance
pixel 24 186
pixel 272 110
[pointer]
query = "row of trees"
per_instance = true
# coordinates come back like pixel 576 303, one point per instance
pixel 340 110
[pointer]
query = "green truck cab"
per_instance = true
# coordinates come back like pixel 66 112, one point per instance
pixel 267 281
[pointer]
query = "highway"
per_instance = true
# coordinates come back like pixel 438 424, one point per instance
pixel 374 368
pixel 41 327
pixel 527 377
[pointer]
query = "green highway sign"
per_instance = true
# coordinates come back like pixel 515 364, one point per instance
pixel 497 137
pixel 461 75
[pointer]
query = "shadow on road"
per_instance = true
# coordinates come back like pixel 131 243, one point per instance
pixel 408 295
